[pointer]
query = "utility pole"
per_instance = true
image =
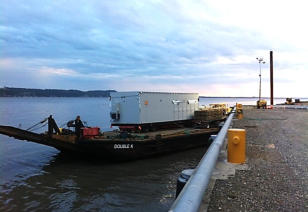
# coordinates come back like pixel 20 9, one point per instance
pixel 261 61
pixel 272 77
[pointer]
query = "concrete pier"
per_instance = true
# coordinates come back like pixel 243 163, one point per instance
pixel 275 175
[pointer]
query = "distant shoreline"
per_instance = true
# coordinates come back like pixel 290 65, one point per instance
pixel 29 92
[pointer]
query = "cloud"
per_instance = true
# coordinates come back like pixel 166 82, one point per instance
pixel 209 46
pixel 57 71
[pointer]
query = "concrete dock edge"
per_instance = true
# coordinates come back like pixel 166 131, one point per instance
pixel 275 175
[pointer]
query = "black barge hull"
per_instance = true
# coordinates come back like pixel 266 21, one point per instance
pixel 118 149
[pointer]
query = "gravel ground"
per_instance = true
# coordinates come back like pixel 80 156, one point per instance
pixel 277 159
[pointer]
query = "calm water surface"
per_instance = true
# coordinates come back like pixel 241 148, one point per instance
pixel 34 177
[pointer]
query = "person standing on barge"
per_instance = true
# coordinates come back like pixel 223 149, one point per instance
pixel 78 126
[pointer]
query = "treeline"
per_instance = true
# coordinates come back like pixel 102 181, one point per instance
pixel 23 92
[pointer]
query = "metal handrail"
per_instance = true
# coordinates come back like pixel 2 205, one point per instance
pixel 190 198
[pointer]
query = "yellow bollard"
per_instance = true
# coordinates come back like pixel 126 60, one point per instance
pixel 239 111
pixel 240 116
pixel 239 106
pixel 236 145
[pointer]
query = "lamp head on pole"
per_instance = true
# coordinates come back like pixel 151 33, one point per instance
pixel 260 60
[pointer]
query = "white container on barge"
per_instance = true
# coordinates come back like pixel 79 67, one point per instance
pixel 137 108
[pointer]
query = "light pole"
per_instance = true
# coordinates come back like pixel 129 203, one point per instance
pixel 261 61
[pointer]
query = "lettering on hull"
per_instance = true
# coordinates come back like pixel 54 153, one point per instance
pixel 123 146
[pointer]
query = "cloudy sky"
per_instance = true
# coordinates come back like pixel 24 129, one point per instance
pixel 208 47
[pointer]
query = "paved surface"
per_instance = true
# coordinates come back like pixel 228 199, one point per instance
pixel 275 176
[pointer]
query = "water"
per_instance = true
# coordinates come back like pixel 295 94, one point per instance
pixel 34 177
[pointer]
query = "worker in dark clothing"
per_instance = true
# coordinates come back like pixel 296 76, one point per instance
pixel 52 125
pixel 78 126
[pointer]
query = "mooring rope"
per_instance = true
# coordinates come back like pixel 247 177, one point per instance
pixel 39 127
pixel 41 122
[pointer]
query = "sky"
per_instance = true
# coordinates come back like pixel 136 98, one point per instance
pixel 209 47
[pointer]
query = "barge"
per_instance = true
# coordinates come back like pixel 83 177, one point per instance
pixel 149 124
pixel 117 145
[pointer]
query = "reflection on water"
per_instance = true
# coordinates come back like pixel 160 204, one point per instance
pixel 70 184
